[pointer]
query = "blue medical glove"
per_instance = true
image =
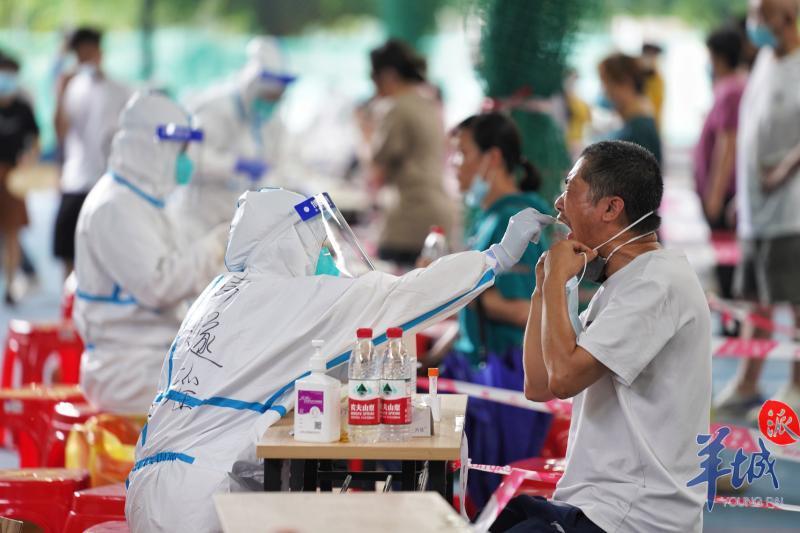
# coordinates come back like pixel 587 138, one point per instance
pixel 524 227
pixel 253 168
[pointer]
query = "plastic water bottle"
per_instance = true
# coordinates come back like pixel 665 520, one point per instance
pixel 396 389
pixel 364 400
pixel 435 245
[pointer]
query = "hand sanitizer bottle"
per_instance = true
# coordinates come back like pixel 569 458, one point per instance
pixel 316 406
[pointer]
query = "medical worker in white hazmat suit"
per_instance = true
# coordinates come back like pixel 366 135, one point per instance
pixel 244 138
pixel 133 277
pixel 296 273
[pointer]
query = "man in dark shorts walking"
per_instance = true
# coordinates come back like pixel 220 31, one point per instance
pixel 86 119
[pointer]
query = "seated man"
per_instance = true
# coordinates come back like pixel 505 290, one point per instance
pixel 230 371
pixel 638 368
pixel 133 277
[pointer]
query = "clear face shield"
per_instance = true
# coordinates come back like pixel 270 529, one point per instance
pixel 341 254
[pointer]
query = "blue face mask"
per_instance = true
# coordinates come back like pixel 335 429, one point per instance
pixel 325 264
pixel 183 169
pixel 477 190
pixel 760 35
pixel 263 109
pixel 8 83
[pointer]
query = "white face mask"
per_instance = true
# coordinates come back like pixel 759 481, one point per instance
pixel 594 271
pixel 573 304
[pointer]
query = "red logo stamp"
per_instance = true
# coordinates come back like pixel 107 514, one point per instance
pixel 778 422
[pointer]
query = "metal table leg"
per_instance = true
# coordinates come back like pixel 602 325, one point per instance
pixel 310 475
pixel 438 479
pixel 408 478
pixel 272 474
pixel 325 485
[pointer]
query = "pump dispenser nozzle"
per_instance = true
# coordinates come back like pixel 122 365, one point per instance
pixel 318 362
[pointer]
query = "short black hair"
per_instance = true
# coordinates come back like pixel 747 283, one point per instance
pixel 627 170
pixel 726 42
pixel 651 48
pixel 401 57
pixel 85 35
pixel 8 63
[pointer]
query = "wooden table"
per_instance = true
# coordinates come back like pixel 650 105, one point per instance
pixel 278 445
pixel 401 512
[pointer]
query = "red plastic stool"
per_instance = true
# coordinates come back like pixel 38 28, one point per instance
pixel 110 527
pixel 541 465
pixel 30 414
pixel 96 506
pixel 30 345
pixel 555 443
pixel 42 496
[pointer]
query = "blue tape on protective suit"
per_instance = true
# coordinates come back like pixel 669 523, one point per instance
pixel 162 457
pixel 113 298
pixel 157 202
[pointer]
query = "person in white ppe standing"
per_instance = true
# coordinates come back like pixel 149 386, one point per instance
pixel 244 137
pixel 133 277
pixel 295 272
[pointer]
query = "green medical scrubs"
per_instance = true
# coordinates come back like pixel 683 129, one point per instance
pixel 488 228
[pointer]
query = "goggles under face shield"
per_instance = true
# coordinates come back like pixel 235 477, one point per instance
pixel 341 253
pixel 274 77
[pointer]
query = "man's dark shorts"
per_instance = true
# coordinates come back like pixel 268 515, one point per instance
pixel 66 222
pixel 767 272
pixel 534 514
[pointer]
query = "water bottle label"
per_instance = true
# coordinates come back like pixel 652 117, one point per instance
pixel 364 403
pixel 395 402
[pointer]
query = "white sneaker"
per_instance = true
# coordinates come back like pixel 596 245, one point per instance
pixel 788 394
pixel 730 403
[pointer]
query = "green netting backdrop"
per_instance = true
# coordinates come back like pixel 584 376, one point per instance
pixel 526 44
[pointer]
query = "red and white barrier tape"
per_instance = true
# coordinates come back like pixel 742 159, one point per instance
pixel 742 312
pixel 498 501
pixel 496 394
pixel 739 437
pixel 516 476
pixel 726 251
pixel 544 477
pixel 747 439
pixel 738 348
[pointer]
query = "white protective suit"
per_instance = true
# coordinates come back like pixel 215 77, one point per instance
pixel 230 372
pixel 132 276
pixel 234 133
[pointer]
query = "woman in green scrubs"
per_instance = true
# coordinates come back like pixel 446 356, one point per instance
pixel 497 183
